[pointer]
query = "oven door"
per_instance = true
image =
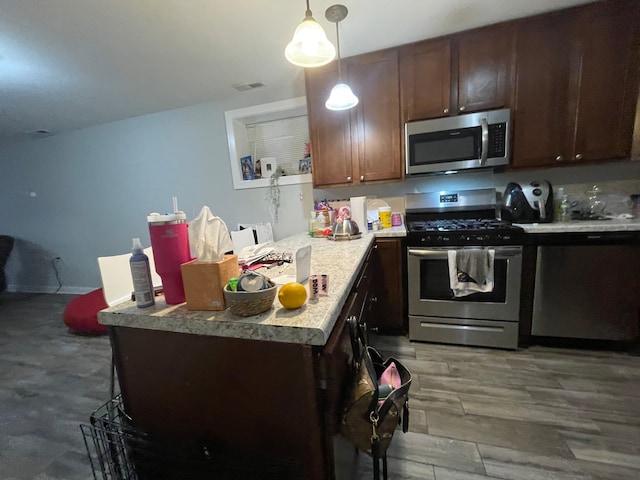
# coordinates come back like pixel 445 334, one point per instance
pixel 430 294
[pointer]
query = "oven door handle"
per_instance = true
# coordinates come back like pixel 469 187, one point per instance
pixel 429 253
pixel 501 252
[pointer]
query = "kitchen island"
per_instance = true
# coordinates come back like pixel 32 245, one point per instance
pixel 268 385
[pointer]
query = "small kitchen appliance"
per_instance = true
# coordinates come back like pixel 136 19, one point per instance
pixel 530 203
pixel 461 142
pixel 437 223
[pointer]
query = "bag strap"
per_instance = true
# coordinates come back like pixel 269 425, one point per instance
pixel 358 344
pixel 398 393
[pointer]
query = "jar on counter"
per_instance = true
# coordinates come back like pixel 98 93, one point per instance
pixel 595 202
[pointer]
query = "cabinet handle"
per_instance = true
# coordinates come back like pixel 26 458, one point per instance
pixel 446 110
pixel 462 108
pixel 559 158
pixel 362 178
pixel 578 156
pixel 374 329
pixel 374 299
pixel 349 179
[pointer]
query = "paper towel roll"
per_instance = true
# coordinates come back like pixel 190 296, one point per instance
pixel 359 212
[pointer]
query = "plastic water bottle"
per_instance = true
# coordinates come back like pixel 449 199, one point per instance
pixel 565 214
pixel 141 275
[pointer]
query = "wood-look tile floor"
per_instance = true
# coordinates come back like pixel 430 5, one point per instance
pixel 537 413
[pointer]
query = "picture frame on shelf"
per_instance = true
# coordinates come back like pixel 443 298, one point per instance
pixel 246 165
pixel 304 166
pixel 268 166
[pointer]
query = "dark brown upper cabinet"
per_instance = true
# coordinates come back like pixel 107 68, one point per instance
pixel 468 72
pixel 361 145
pixel 577 85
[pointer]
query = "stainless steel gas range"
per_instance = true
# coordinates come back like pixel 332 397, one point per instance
pixel 447 233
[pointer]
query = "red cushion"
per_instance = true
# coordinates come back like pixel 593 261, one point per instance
pixel 81 313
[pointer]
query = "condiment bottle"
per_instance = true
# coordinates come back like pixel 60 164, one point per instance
pixel 141 276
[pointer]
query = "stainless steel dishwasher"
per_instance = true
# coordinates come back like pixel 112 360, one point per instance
pixel 588 286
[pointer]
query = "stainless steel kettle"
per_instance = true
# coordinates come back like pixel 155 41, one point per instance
pixel 346 228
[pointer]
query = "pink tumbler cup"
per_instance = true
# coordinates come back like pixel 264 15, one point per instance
pixel 170 244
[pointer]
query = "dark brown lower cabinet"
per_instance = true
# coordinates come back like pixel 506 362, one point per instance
pixel 389 287
pixel 257 399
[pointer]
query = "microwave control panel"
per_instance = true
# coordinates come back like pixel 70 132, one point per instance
pixel 497 140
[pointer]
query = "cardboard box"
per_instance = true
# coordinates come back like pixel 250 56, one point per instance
pixel 203 282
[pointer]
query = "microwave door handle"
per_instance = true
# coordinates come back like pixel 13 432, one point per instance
pixel 485 141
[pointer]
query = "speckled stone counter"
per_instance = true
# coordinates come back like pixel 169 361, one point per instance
pixel 612 225
pixel 400 231
pixel 311 324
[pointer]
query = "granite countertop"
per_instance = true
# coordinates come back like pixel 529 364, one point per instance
pixel 612 225
pixel 311 324
pixel 400 231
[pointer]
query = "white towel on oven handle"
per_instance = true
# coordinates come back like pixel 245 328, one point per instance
pixel 462 289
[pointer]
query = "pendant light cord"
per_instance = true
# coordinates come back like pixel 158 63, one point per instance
pixel 308 12
pixel 338 48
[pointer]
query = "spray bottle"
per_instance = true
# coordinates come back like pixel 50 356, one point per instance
pixel 141 275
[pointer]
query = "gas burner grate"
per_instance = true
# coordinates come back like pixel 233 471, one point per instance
pixel 461 225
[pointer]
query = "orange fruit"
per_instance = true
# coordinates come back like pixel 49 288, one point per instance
pixel 292 295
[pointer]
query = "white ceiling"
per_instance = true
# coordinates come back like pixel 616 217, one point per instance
pixel 68 64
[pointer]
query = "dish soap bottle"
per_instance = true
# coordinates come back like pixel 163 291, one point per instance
pixel 141 276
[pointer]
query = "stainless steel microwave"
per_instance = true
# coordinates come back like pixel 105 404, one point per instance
pixel 443 145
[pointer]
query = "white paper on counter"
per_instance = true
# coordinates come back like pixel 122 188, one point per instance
pixel 359 213
pixel 303 268
pixel 303 264
pixel 241 239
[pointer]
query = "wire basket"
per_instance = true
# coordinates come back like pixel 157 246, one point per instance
pixel 246 304
pixel 118 451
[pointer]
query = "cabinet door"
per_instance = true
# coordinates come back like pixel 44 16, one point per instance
pixel 376 120
pixel 425 78
pixel 330 131
pixel 485 69
pixel 389 314
pixel 605 67
pixel 541 119
pixel 577 85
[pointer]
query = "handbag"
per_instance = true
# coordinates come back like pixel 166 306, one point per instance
pixel 369 419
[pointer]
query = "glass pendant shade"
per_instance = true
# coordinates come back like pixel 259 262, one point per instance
pixel 310 46
pixel 341 98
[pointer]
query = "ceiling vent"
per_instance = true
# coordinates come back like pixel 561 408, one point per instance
pixel 243 87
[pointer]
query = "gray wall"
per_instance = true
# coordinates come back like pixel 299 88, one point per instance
pixel 94 187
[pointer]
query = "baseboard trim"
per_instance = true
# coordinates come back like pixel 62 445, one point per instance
pixel 48 289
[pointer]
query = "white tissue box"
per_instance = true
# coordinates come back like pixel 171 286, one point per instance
pixel 204 281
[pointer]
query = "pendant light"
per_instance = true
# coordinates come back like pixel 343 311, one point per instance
pixel 310 46
pixel 341 97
